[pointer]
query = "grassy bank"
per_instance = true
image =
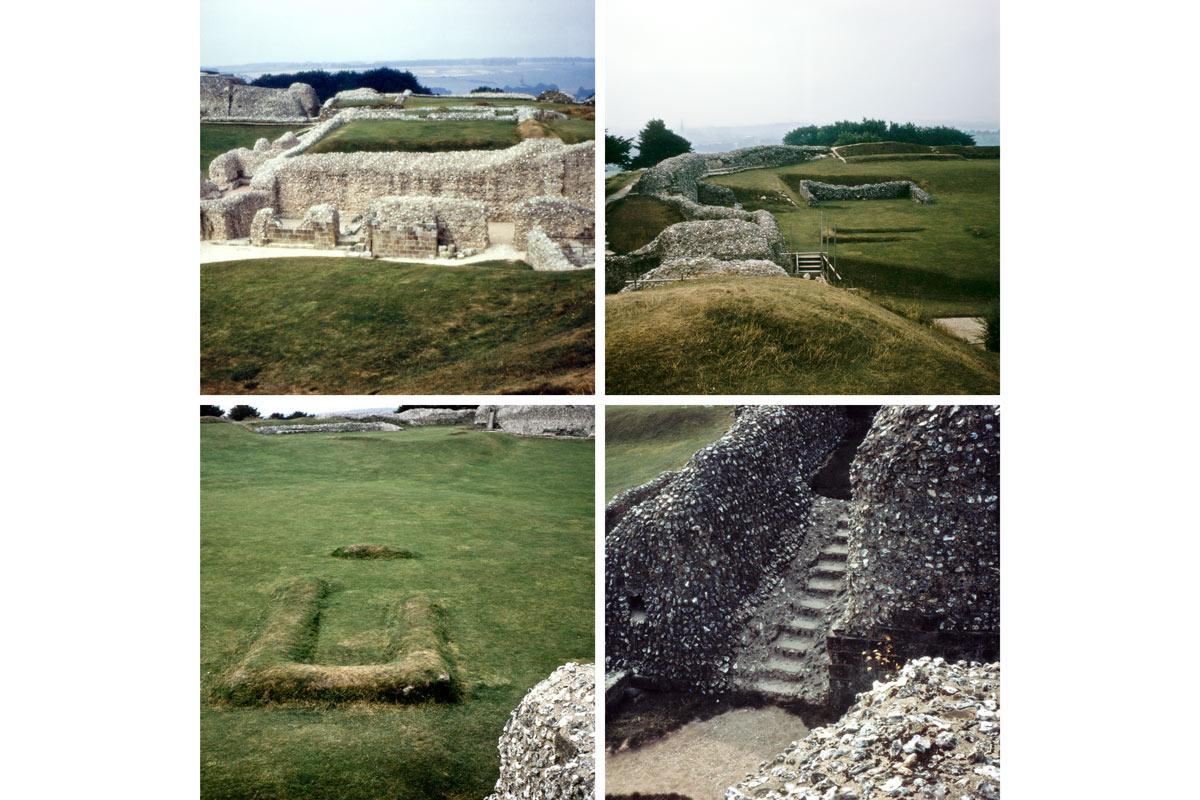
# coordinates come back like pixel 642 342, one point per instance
pixel 779 336
pixel 922 261
pixel 642 441
pixel 355 326
pixel 217 138
pixel 509 563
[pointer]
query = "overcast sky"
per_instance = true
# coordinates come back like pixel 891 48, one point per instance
pixel 241 32
pixel 760 61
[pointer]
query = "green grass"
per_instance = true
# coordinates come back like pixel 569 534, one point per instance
pixel 356 326
pixel 572 130
pixel 620 180
pixel 375 135
pixel 634 221
pixel 919 260
pixel 509 564
pixel 643 441
pixel 217 138
pixel 779 336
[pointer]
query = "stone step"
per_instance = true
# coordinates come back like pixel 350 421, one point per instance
pixel 843 523
pixel 781 668
pixel 803 628
pixel 823 585
pixel 774 687
pixel 808 604
pixel 828 569
pixel 835 551
pixel 790 644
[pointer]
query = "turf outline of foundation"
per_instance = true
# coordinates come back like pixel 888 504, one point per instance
pixel 277 667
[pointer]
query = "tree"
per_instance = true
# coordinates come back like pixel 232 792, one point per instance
pixel 657 142
pixel 276 415
pixel 326 84
pixel 297 415
pixel 876 130
pixel 494 89
pixel 211 411
pixel 241 412
pixel 617 149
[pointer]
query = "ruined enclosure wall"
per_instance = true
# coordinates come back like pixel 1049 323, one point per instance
pixel 396 224
pixel 558 217
pixel 816 191
pixel 225 98
pixel 230 217
pixel 682 174
pixel 688 564
pixel 573 421
pixel 500 178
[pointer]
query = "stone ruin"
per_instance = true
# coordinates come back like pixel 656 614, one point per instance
pixel 813 192
pixel 697 559
pixel 715 238
pixel 569 421
pixel 547 749
pixel 226 98
pixel 687 562
pixel 405 204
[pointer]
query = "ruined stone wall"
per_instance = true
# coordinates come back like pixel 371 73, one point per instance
pixel 318 229
pixel 547 749
pixel 500 178
pixel 230 217
pixel 816 191
pixel 226 98
pixel 395 225
pixel 925 522
pixel 720 239
pixel 437 416
pixel 682 174
pixel 327 427
pixel 558 217
pixel 687 565
pixel 573 421
pixel 544 254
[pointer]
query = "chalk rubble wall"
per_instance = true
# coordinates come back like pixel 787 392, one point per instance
pixel 547 749
pixel 558 217
pixel 327 427
pixel 571 421
pixel 226 98
pixel 687 566
pixel 437 416
pixel 925 522
pixel 683 174
pixel 459 221
pixel 500 178
pixel 231 216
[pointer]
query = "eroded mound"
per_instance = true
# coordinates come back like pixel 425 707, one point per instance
pixel 371 551
pixel 932 732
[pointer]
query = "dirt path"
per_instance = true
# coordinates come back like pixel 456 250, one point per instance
pixel 972 330
pixel 702 759
pixel 619 193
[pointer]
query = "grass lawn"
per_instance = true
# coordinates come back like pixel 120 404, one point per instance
pixel 620 180
pixel 922 261
pixel 643 441
pixel 374 135
pixel 217 138
pixel 573 130
pixel 510 564
pixel 779 336
pixel 357 326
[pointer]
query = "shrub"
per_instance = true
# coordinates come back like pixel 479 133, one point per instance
pixel 211 411
pixel 241 412
pixel 656 142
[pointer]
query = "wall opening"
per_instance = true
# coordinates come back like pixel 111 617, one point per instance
pixel 637 609
pixel 833 478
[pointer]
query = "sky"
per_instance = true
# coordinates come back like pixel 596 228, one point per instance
pixel 240 32
pixel 761 61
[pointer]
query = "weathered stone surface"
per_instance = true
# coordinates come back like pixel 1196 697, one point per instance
pixel 719 239
pixel 688 268
pixel 437 416
pixel 552 96
pixel 932 732
pixel 572 421
pixel 208 190
pixel 459 222
pixel 559 218
pixel 327 427
pixel 228 98
pixel 687 564
pixel 544 254
pixel 547 749
pixel 229 217
pixel 682 174
pixel 816 191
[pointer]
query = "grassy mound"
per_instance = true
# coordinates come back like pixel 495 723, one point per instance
pixel 375 135
pixel 516 599
pixel 779 336
pixel 277 668
pixel 371 552
pixel 355 326
pixel 634 221
pixel 217 138
pixel 643 441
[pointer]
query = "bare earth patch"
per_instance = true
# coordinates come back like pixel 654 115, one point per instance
pixel 371 551
pixel 702 759
pixel 972 330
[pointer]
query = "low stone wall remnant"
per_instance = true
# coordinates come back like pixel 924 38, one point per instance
pixel 816 191
pixel 569 421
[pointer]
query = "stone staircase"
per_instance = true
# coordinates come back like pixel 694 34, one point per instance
pixel 785 665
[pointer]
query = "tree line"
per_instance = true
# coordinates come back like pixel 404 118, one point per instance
pixel 327 84
pixel 655 142
pixel 876 130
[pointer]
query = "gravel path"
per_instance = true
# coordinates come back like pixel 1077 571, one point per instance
pixel 619 193
pixel 702 759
